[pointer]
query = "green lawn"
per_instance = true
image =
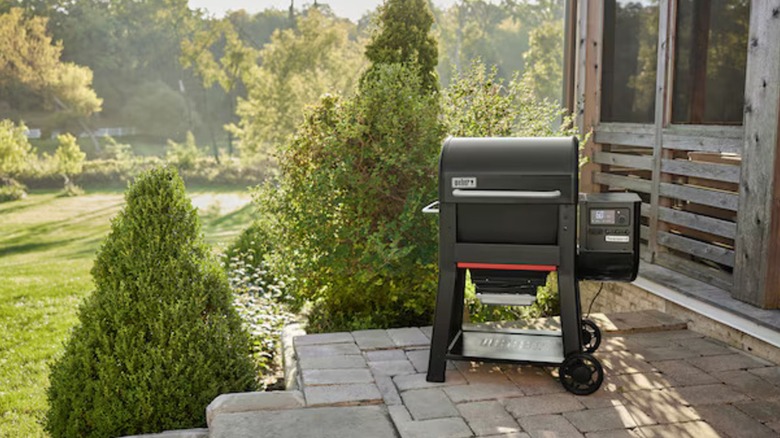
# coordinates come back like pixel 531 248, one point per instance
pixel 47 246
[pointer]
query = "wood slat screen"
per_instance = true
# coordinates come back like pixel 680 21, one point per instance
pixel 695 216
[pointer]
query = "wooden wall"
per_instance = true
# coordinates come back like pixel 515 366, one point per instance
pixel 709 192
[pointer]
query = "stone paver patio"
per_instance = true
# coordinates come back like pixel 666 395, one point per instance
pixel 661 380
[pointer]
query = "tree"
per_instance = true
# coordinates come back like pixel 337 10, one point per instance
pixel 544 60
pixel 15 150
pixel 403 37
pixel 68 158
pixel 353 178
pixel 298 66
pixel 347 205
pixel 159 338
pixel 29 59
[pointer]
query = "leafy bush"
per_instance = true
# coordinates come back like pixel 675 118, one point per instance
pixel 261 297
pixel 261 301
pixel 183 155
pixel 113 150
pixel 11 190
pixel 15 150
pixel 118 173
pixel 346 210
pixel 159 337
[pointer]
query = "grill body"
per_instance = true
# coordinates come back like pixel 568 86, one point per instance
pixel 508 214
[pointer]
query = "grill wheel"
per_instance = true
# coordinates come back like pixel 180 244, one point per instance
pixel 591 336
pixel 581 374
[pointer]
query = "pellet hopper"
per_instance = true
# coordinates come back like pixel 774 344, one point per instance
pixel 509 210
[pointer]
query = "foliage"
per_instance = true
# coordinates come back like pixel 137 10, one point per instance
pixel 544 60
pixel 159 338
pixel 30 60
pixel 403 37
pixel 159 110
pixel 15 149
pixel 112 173
pixel 478 104
pixel 183 155
pixel 547 304
pixel 70 190
pixel 113 150
pixel 345 211
pixel 11 190
pixel 68 158
pixel 299 65
pixel 261 297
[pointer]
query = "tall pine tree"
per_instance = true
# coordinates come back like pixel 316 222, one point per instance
pixel 404 37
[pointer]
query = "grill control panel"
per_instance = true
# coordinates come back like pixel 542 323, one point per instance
pixel 609 236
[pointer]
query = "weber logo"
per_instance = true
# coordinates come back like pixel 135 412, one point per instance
pixel 464 182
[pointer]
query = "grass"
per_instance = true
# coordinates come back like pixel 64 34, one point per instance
pixel 47 246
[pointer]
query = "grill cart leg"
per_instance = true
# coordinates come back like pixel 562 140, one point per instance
pixel 447 320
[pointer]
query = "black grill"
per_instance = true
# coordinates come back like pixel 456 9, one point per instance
pixel 508 214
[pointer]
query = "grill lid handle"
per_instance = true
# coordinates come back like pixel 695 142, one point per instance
pixel 518 194
pixel 432 208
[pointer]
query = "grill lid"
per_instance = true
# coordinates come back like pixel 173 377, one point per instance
pixel 513 170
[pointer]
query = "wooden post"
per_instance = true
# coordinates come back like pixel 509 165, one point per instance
pixel 591 16
pixel 569 54
pixel 660 121
pixel 758 256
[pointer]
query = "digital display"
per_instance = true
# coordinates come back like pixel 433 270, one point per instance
pixel 603 217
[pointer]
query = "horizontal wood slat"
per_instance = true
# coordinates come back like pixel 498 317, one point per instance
pixel 623 182
pixel 707 144
pixel 717 254
pixel 717 172
pixel 698 222
pixel 624 160
pixel 728 201
pixel 693 269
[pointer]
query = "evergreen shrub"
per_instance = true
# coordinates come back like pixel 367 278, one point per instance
pixel 159 337
pixel 346 209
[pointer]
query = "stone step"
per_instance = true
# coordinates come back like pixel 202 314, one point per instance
pixel 325 422
pixel 637 322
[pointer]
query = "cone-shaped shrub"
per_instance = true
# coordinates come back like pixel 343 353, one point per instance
pixel 159 338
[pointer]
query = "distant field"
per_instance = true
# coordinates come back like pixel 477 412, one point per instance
pixel 47 246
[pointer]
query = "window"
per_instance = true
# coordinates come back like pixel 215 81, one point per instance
pixel 710 60
pixel 629 61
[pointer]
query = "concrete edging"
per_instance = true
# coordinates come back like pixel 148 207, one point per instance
pixel 289 360
pixel 253 401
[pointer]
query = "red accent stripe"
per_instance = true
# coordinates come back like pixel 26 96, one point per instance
pixel 507 267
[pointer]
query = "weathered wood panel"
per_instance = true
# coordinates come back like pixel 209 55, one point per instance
pixel 713 276
pixel 712 198
pixel 706 144
pixel 725 132
pixel 728 201
pixel 625 160
pixel 698 222
pixel 623 182
pixel 625 138
pixel 717 172
pixel 717 254
pixel 755 245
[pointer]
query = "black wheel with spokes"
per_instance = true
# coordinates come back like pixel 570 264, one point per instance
pixel 581 374
pixel 591 336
